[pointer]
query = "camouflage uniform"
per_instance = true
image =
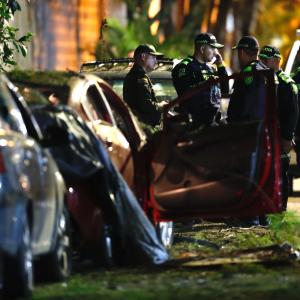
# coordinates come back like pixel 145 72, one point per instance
pixel 139 95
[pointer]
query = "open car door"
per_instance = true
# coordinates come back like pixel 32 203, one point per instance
pixel 230 170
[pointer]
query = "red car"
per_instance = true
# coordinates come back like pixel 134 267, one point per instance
pixel 213 172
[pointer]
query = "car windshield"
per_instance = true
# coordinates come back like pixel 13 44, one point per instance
pixel 114 72
pixel 163 88
pixel 32 96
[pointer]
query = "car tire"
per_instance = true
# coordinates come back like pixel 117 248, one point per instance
pixel 56 266
pixel 18 269
pixel 165 233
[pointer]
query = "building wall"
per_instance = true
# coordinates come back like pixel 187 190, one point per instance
pixel 25 21
pixel 66 32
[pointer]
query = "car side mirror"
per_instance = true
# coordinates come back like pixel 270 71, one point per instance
pixel 55 136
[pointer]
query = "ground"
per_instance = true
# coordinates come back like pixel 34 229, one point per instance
pixel 210 261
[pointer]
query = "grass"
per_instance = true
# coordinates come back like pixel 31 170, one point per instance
pixel 242 281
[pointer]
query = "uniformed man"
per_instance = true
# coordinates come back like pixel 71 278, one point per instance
pixel 296 77
pixel 248 96
pixel 137 88
pixel 195 69
pixel 287 102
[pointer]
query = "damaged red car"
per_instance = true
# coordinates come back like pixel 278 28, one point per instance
pixel 183 172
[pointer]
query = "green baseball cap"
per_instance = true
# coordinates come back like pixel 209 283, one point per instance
pixel 269 51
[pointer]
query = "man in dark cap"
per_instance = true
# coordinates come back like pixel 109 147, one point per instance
pixel 137 88
pixel 287 102
pixel 195 69
pixel 247 99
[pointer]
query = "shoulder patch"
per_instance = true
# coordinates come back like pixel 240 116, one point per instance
pixel 143 81
pixel 248 80
pixel 294 88
pixel 248 69
pixel 186 61
pixel 181 72
pixel 286 78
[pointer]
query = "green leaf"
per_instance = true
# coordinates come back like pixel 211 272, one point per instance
pixel 23 49
pixel 25 38
pixel 11 62
pixel 7 51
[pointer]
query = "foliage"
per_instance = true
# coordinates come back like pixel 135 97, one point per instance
pixel 285 227
pixel 45 78
pixel 9 42
pixel 277 23
pixel 118 41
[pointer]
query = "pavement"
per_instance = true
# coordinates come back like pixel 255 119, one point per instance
pixel 294 200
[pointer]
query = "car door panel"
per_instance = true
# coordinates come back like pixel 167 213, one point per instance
pixel 118 148
pixel 222 171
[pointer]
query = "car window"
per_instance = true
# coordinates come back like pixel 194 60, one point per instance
pixel 30 123
pixel 117 85
pixel 32 96
pixel 9 111
pixel 120 121
pixel 163 88
pixel 94 106
pixel 123 117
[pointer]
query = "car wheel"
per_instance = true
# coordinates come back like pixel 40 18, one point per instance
pixel 57 265
pixel 165 232
pixel 18 269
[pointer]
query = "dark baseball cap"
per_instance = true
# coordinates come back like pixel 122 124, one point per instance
pixel 146 48
pixel 269 51
pixel 207 39
pixel 247 42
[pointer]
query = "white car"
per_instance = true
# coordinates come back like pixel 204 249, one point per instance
pixel 292 61
pixel 33 221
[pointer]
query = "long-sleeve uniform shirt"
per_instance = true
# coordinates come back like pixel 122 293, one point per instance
pixel 247 101
pixel 139 95
pixel 287 95
pixel 189 73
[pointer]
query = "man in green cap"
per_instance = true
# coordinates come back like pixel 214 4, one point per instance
pixel 137 89
pixel 296 77
pixel 193 70
pixel 287 106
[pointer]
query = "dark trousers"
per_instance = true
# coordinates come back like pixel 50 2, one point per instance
pixel 285 164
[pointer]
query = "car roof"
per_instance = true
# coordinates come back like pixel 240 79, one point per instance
pixel 118 68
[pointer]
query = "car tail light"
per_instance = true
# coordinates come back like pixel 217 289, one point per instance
pixel 2 164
